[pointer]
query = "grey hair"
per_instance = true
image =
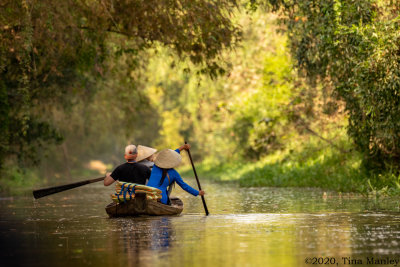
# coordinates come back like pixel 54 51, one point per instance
pixel 131 149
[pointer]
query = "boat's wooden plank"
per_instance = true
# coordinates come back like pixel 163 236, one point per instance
pixel 141 206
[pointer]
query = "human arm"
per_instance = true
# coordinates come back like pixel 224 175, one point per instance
pixel 184 185
pixel 108 180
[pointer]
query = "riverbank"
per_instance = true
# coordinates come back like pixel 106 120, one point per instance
pixel 315 165
pixel 16 181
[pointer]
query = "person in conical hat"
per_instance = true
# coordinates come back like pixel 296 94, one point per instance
pixel 163 173
pixel 145 155
pixel 130 171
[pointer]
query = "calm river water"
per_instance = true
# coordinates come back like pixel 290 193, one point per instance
pixel 246 227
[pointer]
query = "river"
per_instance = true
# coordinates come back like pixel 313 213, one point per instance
pixel 246 227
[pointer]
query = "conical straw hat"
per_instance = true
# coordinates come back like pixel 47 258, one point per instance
pixel 168 159
pixel 144 152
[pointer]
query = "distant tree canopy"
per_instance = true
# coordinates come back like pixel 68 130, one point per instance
pixel 353 47
pixel 47 49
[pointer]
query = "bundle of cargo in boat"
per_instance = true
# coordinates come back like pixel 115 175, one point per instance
pixel 127 191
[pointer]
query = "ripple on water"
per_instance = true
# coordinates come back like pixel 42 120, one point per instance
pixel 247 226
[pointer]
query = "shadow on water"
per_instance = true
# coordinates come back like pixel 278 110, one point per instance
pixel 247 226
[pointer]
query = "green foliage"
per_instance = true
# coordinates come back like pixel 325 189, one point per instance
pixel 39 50
pixel 241 114
pixel 304 164
pixel 382 185
pixel 100 74
pixel 17 181
pixel 52 55
pixel 353 47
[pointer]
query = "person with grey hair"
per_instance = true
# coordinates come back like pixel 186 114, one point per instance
pixel 130 171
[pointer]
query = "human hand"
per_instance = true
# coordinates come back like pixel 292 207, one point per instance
pixel 202 193
pixel 185 146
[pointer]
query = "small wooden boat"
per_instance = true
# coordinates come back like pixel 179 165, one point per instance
pixel 140 205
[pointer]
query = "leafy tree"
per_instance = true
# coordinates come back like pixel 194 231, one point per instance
pixel 352 46
pixel 237 116
pixel 52 53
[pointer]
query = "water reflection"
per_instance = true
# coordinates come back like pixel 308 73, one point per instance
pixel 247 226
pixel 144 233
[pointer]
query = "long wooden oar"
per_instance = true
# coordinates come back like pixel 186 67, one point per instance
pixel 56 189
pixel 197 179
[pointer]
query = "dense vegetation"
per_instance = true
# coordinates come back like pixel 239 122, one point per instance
pixel 308 96
pixel 352 48
pixel 52 53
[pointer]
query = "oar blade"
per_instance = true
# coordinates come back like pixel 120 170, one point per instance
pixel 56 189
pixel 44 192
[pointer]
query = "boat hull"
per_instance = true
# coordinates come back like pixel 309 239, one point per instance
pixel 141 206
